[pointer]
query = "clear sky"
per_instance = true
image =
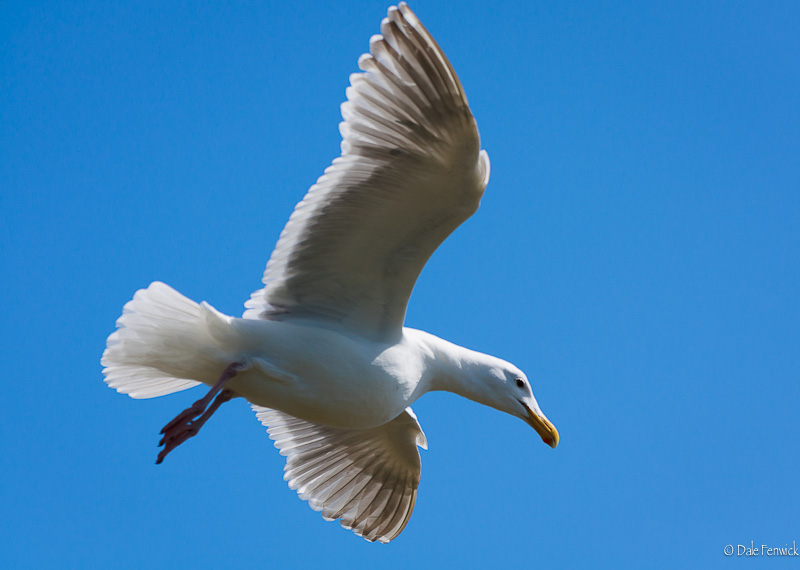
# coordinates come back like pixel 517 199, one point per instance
pixel 636 253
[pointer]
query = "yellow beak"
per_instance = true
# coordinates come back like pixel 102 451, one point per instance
pixel 544 427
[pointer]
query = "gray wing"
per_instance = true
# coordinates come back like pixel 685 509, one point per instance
pixel 410 172
pixel 366 478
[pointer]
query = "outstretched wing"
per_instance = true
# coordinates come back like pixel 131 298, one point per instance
pixel 366 478
pixel 411 171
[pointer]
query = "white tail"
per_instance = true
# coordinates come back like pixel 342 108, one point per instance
pixel 164 343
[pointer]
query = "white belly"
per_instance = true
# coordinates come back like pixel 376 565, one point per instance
pixel 325 376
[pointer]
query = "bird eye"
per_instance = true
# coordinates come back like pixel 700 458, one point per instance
pixel 520 383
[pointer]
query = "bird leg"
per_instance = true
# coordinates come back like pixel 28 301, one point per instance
pixel 189 421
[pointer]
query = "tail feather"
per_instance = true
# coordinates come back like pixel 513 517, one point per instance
pixel 164 343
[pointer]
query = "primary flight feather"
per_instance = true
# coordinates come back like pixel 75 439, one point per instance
pixel 321 352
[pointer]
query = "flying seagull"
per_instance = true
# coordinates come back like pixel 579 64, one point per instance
pixel 321 352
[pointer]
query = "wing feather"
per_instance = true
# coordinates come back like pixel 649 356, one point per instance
pixel 411 171
pixel 367 478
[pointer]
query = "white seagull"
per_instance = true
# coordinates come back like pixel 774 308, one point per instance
pixel 321 352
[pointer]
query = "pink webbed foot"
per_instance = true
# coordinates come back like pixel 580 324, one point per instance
pixel 189 421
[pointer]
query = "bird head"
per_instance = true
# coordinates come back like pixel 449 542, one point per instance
pixel 510 391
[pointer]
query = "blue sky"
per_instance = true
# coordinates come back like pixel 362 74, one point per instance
pixel 636 253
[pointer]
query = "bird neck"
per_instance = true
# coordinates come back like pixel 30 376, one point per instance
pixel 456 369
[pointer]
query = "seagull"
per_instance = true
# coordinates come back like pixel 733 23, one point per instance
pixel 321 351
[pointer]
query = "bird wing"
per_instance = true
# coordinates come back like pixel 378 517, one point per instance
pixel 411 171
pixel 366 478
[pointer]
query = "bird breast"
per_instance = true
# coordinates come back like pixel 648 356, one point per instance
pixel 325 376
